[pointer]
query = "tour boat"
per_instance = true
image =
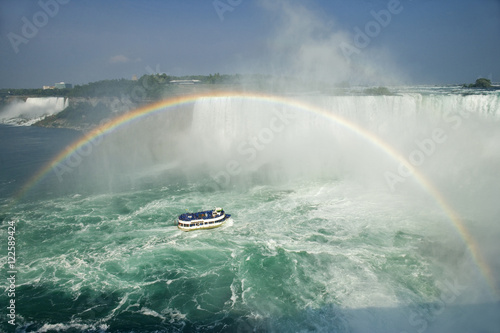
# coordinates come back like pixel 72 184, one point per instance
pixel 202 220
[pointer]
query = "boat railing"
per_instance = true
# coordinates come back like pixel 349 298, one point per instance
pixel 199 216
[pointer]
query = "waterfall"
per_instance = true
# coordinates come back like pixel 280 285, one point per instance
pixel 55 103
pixel 223 123
pixel 32 110
pixel 233 117
pixel 232 137
pixel 232 140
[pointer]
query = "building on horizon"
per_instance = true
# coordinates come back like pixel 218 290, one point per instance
pixel 62 85
pixel 185 81
pixel 48 87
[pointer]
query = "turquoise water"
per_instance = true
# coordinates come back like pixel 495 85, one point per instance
pixel 317 241
pixel 309 256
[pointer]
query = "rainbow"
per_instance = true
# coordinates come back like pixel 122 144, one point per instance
pixel 168 104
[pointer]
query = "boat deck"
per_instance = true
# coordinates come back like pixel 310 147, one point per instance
pixel 202 220
pixel 198 216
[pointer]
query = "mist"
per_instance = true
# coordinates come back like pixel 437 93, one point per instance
pixel 239 142
pixel 311 137
pixel 311 47
pixel 260 144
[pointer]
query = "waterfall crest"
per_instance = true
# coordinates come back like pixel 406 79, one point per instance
pixel 32 110
pixel 235 137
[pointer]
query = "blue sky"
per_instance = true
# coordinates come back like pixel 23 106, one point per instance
pixel 80 41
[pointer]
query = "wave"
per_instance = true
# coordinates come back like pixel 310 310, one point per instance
pixel 320 257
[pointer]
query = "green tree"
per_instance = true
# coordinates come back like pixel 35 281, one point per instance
pixel 482 83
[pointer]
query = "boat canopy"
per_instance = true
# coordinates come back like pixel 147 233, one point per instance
pixel 201 215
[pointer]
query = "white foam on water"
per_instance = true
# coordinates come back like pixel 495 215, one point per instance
pixel 297 249
pixel 60 327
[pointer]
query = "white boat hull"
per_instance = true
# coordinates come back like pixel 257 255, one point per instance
pixel 205 223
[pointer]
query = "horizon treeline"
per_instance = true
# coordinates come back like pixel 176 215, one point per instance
pixel 153 84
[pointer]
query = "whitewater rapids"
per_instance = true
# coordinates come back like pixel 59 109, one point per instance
pixel 319 241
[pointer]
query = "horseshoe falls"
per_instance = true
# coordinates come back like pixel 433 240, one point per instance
pixel 349 214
